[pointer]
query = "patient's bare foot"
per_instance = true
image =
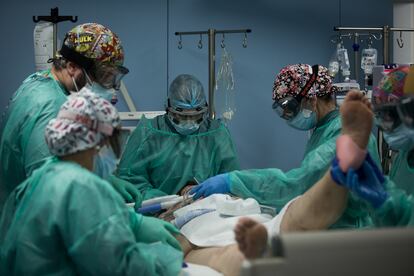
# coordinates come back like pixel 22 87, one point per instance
pixel 251 237
pixel 357 118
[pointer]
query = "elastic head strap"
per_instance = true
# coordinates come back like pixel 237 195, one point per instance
pixel 311 81
pixel 76 57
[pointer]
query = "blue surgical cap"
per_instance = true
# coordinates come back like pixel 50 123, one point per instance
pixel 186 92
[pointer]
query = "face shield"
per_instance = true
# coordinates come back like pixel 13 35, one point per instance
pixel 288 107
pixel 110 76
pixel 406 111
pixel 386 117
pixel 391 115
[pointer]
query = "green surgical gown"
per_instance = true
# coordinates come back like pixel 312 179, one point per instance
pixel 67 221
pixel 402 174
pixel 22 146
pixel 275 188
pixel 161 162
pixel 398 209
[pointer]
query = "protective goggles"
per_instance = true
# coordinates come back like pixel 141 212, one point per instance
pixel 288 107
pixel 178 114
pixel 110 76
pixel 390 116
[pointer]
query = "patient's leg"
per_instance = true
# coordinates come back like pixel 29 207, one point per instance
pixel 227 259
pixel 321 205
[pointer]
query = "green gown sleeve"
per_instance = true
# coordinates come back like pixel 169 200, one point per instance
pixel 134 164
pixel 275 188
pixel 397 210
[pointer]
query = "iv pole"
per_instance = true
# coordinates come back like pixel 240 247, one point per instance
pixel 212 58
pixel 384 150
pixel 385 30
pixel 357 37
pixel 55 18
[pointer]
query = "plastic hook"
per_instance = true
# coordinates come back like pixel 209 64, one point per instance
pixel 370 40
pixel 200 42
pixel 400 41
pixel 245 40
pixel 180 42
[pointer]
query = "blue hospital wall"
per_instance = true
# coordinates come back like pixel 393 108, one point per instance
pixel 283 33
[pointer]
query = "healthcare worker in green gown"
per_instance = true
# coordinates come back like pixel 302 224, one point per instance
pixel 68 221
pixel 394 113
pixel 168 154
pixel 90 55
pixel 303 95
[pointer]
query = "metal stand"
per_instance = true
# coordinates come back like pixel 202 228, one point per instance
pixel 212 58
pixel 385 30
pixel 55 18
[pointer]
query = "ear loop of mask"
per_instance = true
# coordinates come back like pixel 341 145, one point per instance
pixel 88 79
pixel 74 83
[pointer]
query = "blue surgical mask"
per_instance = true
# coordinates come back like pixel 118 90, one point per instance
pixel 186 128
pixel 401 138
pixel 104 162
pixel 304 120
pixel 102 91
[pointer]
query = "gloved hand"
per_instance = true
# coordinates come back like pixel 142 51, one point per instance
pixel 367 182
pixel 219 184
pixel 184 190
pixel 128 191
pixel 153 230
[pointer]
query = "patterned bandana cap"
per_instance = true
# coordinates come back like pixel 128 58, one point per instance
pixel 84 120
pixel 95 42
pixel 292 78
pixel 397 83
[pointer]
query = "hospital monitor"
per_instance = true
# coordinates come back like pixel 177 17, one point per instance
pixel 377 252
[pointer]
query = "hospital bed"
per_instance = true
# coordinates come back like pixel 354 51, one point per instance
pixel 377 252
pixel 130 121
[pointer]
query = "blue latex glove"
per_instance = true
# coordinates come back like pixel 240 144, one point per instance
pixel 153 230
pixel 367 181
pixel 219 184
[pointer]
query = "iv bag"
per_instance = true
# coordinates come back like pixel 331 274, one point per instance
pixel 333 67
pixel 368 60
pixel 344 62
pixel 43 45
pixel 225 93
